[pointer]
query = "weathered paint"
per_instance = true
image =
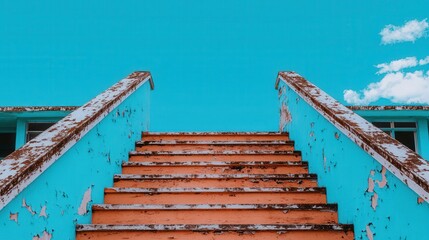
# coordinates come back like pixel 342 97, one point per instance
pixel 101 142
pixel 376 201
pixel 418 114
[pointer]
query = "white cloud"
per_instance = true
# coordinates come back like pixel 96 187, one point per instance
pixel 397 65
pixel 409 32
pixel 424 61
pixel 410 88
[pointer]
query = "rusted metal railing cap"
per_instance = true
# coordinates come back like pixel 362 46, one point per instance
pixel 24 165
pixel 402 162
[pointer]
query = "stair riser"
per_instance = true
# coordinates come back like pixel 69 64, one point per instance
pixel 214 170
pixel 210 235
pixel 214 183
pixel 238 138
pixel 216 198
pixel 227 216
pixel 203 147
pixel 214 157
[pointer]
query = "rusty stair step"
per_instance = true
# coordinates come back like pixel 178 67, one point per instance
pixel 214 152
pixel 215 180
pixel 135 156
pixel 214 167
pixel 213 142
pixel 287 146
pixel 216 231
pixel 214 136
pixel 215 214
pixel 217 163
pixel 292 195
pixel 216 176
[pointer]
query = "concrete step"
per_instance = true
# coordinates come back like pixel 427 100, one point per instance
pixel 145 156
pixel 190 147
pixel 215 214
pixel 216 231
pixel 215 180
pixel 214 167
pixel 215 195
pixel 215 136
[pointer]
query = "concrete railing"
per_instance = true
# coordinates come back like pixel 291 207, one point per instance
pixel 381 186
pixel 47 185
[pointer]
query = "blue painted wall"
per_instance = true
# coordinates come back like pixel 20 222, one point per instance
pixel 348 171
pixel 89 164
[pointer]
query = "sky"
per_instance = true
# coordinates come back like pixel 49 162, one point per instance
pixel 214 63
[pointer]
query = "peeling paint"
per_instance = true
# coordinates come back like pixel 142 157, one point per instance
pixel 374 201
pixel 370 185
pixel 383 182
pixel 28 207
pixel 337 135
pixel 83 208
pixel 43 212
pixel 369 233
pixel 13 217
pixel 420 200
pixel 402 162
pixel 24 165
pixel 45 236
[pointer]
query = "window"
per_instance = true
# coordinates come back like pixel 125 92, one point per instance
pixel 7 144
pixel 36 128
pixel 404 132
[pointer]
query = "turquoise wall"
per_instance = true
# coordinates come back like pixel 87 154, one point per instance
pixel 389 210
pixel 53 200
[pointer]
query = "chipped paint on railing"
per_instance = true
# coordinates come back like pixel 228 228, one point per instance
pixel 404 163
pixel 38 108
pixel 24 165
pixel 389 108
pixel 49 184
pixel 378 183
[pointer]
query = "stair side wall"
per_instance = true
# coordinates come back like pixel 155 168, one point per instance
pixel 378 204
pixel 62 196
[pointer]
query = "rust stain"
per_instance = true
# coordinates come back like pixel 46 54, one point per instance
pixel 38 108
pixel 83 208
pixel 420 200
pixel 14 217
pixel 28 207
pixel 394 108
pixel 285 116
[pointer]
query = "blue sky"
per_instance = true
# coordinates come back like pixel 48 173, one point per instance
pixel 214 62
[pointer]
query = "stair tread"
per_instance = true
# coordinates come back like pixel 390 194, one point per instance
pixel 214 133
pixel 216 163
pixel 214 152
pixel 215 227
pixel 214 190
pixel 325 207
pixel 215 176
pixel 213 143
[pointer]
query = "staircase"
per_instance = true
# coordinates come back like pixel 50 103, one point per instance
pixel 225 186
